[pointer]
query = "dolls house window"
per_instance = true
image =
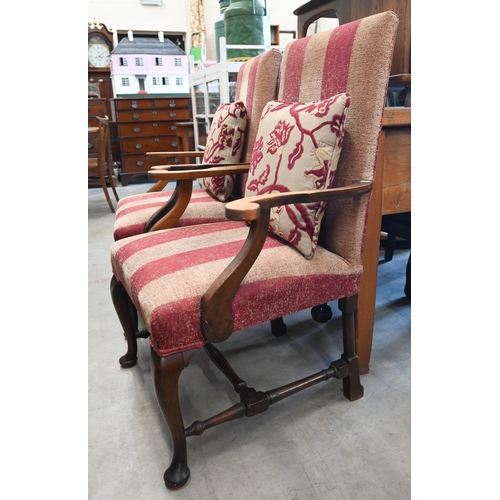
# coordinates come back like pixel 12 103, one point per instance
pixel 158 61
pixel 123 61
pixel 139 61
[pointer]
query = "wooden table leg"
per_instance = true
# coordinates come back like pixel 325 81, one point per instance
pixel 367 294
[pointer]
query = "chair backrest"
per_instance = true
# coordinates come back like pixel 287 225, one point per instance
pixel 354 58
pixel 103 148
pixel 256 85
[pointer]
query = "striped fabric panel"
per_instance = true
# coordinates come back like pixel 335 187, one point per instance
pixel 132 215
pixel 167 272
pixel 257 84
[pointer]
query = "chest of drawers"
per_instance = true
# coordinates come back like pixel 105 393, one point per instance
pixel 147 125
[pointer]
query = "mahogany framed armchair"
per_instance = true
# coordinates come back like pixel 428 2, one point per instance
pixel 296 242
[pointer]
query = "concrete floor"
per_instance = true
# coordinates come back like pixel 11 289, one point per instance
pixel 314 445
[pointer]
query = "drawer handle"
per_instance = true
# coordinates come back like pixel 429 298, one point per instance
pixel 91 145
pixel 137 129
pixel 172 115
pixel 174 144
pixel 155 124
pixel 138 146
pixel 172 104
pixel 173 127
pixel 176 160
pixel 156 139
pixel 140 163
pixel 135 115
pixel 154 112
pixel 135 105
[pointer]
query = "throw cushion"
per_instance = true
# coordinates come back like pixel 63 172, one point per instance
pixel 224 145
pixel 297 148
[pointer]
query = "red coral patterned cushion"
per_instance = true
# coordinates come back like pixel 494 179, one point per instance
pixel 297 148
pixel 224 145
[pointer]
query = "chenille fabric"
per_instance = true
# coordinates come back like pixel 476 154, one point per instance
pixel 167 272
pixel 257 84
pixel 297 148
pixel 308 74
pixel 224 145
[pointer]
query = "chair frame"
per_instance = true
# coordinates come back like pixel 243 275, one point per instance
pixel 217 326
pixel 104 162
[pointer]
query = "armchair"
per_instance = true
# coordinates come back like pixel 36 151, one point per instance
pixel 257 84
pixel 194 286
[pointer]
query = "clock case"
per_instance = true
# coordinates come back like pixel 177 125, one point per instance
pixel 102 77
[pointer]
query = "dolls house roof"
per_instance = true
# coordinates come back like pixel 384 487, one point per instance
pixel 148 46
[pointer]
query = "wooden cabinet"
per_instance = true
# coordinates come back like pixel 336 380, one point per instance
pixel 348 10
pixel 144 125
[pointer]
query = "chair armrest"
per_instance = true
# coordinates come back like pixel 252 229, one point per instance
pixel 250 208
pixel 179 172
pixel 216 317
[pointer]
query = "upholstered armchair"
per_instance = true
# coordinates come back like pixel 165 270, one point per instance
pixel 230 142
pixel 295 240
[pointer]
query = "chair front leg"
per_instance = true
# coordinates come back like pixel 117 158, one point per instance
pixel 353 389
pixel 127 314
pixel 166 372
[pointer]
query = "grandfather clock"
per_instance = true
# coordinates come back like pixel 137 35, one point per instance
pixel 99 72
pixel 100 47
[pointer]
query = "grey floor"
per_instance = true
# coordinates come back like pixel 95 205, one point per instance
pixel 314 445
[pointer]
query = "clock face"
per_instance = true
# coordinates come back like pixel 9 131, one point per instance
pixel 98 53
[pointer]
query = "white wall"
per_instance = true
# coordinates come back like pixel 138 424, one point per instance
pixel 130 14
pixel 127 15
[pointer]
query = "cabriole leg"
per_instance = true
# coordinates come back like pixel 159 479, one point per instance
pixel 353 389
pixel 127 314
pixel 166 372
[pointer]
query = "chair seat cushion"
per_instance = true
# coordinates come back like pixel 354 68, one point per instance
pixel 133 212
pixel 167 272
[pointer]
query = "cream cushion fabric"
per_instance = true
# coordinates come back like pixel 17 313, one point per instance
pixel 225 145
pixel 297 148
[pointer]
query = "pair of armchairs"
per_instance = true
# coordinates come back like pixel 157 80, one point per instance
pixel 294 240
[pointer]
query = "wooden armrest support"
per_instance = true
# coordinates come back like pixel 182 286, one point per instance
pixel 177 172
pixel 174 154
pixel 216 318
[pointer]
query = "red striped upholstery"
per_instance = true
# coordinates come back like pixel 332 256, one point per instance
pixel 257 84
pixel 167 272
pixel 349 67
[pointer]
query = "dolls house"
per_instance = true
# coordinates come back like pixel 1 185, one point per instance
pixel 152 66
